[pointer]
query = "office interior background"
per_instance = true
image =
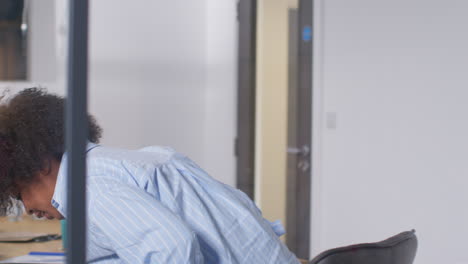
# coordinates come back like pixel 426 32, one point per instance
pixel 389 88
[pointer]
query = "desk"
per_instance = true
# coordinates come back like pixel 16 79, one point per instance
pixel 9 250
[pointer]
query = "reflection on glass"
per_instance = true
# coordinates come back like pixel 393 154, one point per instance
pixel 28 39
pixel 13 49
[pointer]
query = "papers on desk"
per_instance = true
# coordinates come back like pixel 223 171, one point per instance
pixel 29 259
pixel 18 236
pixel 25 237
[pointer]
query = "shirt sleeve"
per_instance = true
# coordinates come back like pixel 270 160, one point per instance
pixel 139 228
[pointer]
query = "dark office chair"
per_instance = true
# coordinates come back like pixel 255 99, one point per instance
pixel 399 249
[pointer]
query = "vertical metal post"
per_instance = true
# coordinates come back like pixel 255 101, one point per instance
pixel 245 142
pixel 77 131
pixel 304 131
pixel 292 228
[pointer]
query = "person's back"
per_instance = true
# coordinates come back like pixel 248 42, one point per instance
pixel 147 206
pixel 157 206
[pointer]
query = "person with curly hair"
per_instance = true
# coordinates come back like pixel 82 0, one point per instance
pixel 152 205
pixel 32 145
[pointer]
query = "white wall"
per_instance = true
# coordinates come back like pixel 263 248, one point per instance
pixel 220 103
pixel 41 62
pixel 147 73
pixel 395 75
pixel 162 72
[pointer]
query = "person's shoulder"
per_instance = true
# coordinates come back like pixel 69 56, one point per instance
pixel 150 156
pixel 158 149
pixel 111 151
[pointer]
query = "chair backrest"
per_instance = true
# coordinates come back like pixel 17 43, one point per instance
pixel 399 249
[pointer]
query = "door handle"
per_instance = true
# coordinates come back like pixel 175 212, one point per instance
pixel 303 151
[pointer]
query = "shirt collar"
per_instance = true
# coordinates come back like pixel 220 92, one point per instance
pixel 59 199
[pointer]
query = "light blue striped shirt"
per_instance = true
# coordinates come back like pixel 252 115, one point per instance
pixel 157 206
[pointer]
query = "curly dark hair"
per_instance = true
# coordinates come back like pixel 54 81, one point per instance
pixel 31 134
